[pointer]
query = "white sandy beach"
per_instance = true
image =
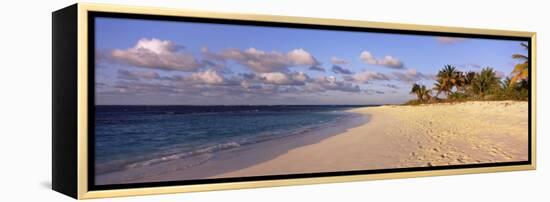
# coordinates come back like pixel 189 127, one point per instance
pixel 412 136
pixel 394 137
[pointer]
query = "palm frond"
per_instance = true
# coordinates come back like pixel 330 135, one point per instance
pixel 525 46
pixel 520 57
pixel 520 72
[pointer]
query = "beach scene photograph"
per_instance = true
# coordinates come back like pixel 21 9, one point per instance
pixel 182 101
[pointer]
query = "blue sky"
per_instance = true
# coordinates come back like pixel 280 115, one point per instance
pixel 159 62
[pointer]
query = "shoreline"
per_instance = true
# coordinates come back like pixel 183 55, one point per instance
pixel 395 136
pixel 414 136
pixel 232 159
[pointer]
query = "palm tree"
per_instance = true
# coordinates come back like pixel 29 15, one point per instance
pixel 468 80
pixel 521 70
pixel 416 90
pixel 485 82
pixel 425 93
pixel 421 92
pixel 448 78
pixel 438 88
pixel 469 77
pixel 505 84
pixel 460 81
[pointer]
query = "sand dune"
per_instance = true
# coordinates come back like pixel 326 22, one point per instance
pixel 412 136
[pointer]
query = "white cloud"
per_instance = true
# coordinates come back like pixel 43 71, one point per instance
pixel 208 77
pixel 157 54
pixel 367 57
pixel 275 78
pixel 387 61
pixel 301 57
pixel 156 45
pixel 366 76
pixel 279 78
pixel 391 62
pixel 265 62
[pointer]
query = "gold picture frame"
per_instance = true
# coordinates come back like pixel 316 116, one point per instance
pixel 77 186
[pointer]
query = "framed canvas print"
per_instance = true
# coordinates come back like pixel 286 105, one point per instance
pixel 150 100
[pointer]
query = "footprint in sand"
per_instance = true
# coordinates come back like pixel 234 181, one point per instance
pixel 461 159
pixel 497 151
